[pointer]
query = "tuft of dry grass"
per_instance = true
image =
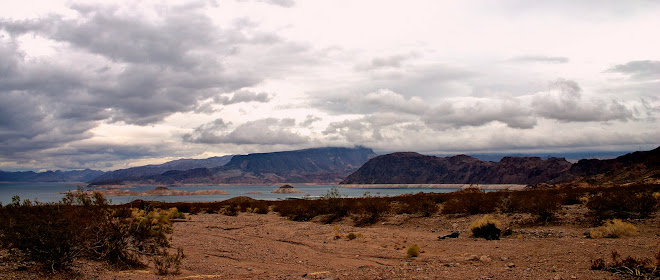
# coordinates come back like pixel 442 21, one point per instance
pixel 613 229
pixel 486 227
pixel 413 251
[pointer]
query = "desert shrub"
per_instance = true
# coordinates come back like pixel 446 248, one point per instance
pixel 613 229
pixel 471 201
pixel 486 227
pixel 173 213
pixel 368 210
pixel 351 236
pixel 81 226
pixel 629 266
pixel 622 203
pixel 542 203
pixel 166 263
pixel 572 195
pixel 421 204
pixel 228 210
pixel 413 251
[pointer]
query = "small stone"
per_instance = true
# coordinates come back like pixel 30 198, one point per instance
pixel 510 265
pixel 485 259
pixel 557 277
pixel 473 258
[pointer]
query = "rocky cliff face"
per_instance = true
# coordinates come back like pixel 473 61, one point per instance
pixel 414 168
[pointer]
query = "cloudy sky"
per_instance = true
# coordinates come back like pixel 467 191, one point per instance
pixel 106 85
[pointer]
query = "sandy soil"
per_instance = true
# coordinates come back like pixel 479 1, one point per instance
pixel 254 246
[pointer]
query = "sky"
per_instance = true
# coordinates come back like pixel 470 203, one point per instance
pixel 108 85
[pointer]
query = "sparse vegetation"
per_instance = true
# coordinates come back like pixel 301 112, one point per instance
pixel 413 251
pixel 622 203
pixel 55 235
pixel 629 266
pixel 486 227
pixel 613 229
pixel 351 236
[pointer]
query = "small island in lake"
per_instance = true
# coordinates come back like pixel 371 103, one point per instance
pixel 286 189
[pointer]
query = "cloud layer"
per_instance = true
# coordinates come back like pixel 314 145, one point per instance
pixel 109 85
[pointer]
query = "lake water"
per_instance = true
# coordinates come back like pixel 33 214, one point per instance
pixel 51 192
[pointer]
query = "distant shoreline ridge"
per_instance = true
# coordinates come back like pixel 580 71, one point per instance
pixel 435 186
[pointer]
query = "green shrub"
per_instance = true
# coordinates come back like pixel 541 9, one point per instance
pixel 486 227
pixel 413 251
pixel 351 236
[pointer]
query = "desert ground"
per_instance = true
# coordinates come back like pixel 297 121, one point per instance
pixel 258 246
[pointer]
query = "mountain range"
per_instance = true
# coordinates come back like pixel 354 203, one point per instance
pixel 140 172
pixel 318 165
pixel 50 176
pixel 414 168
pixel 360 165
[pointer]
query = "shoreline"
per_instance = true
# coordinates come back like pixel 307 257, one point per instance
pixel 435 186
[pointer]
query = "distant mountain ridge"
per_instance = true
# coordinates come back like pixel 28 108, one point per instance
pixel 636 167
pixel 141 172
pixel 316 165
pixel 414 168
pixel 50 176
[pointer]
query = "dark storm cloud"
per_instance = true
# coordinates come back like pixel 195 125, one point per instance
pixel 640 70
pixel 103 155
pixel 539 59
pixel 118 65
pixel 270 131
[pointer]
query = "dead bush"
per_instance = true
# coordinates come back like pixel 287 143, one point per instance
pixel 622 203
pixel 486 227
pixel 628 266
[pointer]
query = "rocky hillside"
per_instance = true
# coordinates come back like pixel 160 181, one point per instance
pixel 50 176
pixel 319 165
pixel 637 167
pixel 141 172
pixel 414 168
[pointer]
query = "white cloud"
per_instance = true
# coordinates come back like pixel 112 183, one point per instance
pixel 78 79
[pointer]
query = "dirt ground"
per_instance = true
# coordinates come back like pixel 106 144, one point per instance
pixel 254 246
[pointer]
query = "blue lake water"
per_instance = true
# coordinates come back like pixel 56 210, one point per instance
pixel 51 192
